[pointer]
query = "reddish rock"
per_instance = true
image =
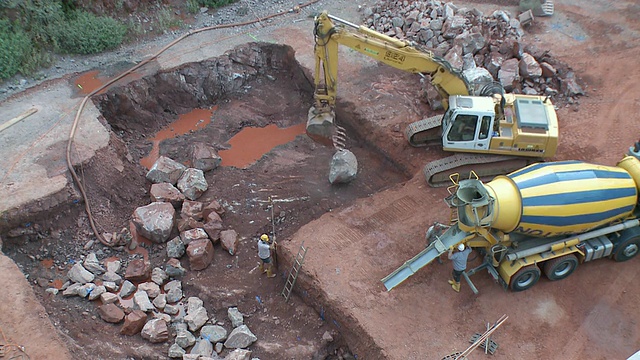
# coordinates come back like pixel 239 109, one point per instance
pixel 193 235
pixel 204 157
pixel 200 254
pixel 192 209
pixel 213 229
pixel 138 271
pixel 229 241
pixel 187 223
pixel 213 206
pixel 133 323
pixel 165 192
pixel 111 313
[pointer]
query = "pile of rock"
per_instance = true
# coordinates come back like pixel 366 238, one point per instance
pixel 199 224
pixel 156 307
pixel 484 47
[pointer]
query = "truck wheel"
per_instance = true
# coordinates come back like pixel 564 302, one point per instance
pixel 525 278
pixel 560 267
pixel 627 249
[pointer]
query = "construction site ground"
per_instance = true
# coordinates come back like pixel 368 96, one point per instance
pixel 355 233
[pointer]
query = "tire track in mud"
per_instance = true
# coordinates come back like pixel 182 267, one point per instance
pixel 397 211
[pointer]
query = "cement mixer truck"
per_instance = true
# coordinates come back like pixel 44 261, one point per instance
pixel 544 218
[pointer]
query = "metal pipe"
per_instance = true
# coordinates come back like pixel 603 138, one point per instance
pixel 582 237
pixel 345 22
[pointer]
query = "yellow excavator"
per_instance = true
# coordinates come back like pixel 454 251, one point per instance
pixel 491 131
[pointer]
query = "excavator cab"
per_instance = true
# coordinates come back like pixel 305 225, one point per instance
pixel 466 126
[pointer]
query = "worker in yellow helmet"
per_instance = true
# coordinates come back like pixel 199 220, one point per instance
pixel 265 247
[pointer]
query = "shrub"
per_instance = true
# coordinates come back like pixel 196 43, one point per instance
pixel 86 33
pixel 216 3
pixel 15 48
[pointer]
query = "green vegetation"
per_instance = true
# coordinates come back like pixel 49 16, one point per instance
pixel 86 33
pixel 32 31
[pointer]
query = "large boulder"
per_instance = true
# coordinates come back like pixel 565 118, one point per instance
pixel 155 221
pixel 165 170
pixel 205 157
pixel 133 323
pixel 156 331
pixel 200 254
pixel 344 167
pixel 241 337
pixel 192 183
pixel 165 192
pixel 229 241
pixel 79 274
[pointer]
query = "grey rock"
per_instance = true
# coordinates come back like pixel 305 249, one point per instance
pixel 79 274
pixel 213 333
pixel 152 289
pixel 86 289
pixel 241 337
pixel 155 221
pixel 468 62
pixel 174 268
pixel 71 290
pixel 570 86
pixel 529 67
pixel 239 354
pixel 192 183
pixel 205 157
pixel 174 295
pixel 108 298
pixel 343 168
pixel 159 276
pixel 193 304
pixel 171 309
pixel 454 57
pixel 397 21
pixel 92 264
pixel 493 62
pixel 155 330
pixel 160 301
pixel 235 316
pixel 97 292
pixel 112 277
pixel 185 339
pixel 127 289
pixel 176 352
pixel 52 291
pixel 173 284
pixel 141 299
pixel 110 285
pixel 436 24
pixel 113 266
pixel 478 76
pixel 202 347
pixel 165 170
pixel 218 347
pixel 196 319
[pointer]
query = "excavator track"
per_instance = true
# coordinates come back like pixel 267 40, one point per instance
pixel 485 166
pixel 425 132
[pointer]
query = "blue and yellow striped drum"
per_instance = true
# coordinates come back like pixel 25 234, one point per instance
pixel 561 198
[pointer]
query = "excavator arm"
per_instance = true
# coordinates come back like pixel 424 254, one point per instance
pixel 393 52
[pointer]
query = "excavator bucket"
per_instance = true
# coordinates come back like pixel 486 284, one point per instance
pixel 537 7
pixel 320 126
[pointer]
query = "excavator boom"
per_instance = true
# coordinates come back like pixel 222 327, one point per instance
pixel 393 52
pixel 494 132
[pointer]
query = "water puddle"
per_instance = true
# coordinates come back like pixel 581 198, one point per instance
pixel 251 143
pixel 192 121
pixel 89 81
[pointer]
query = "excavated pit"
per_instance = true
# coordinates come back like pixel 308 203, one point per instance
pixel 255 86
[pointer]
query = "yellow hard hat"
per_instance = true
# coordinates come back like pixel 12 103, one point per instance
pixel 264 237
